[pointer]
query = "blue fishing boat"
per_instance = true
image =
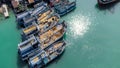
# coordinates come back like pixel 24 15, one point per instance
pixel 26 49
pixel 28 21
pixel 28 31
pixel 47 55
pixel 65 7
pixel 30 16
pixel 41 27
pixel 40 8
pixel 26 46
pixel 20 16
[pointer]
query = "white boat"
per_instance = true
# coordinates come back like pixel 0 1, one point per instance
pixel 5 10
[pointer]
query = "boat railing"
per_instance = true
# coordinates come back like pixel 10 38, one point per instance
pixel 53 32
pixel 52 38
pixel 25 43
pixel 29 29
pixel 51 26
pixel 55 46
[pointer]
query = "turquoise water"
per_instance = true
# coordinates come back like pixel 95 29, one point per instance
pixel 92 39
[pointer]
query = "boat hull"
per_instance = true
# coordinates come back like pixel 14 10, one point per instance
pixel 67 9
pixel 41 62
pixel 106 3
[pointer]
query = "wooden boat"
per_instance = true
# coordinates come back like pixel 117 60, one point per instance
pixel 52 35
pixel 41 27
pixel 28 31
pixel 32 46
pixel 48 55
pixel 46 13
pixel 105 2
pixel 50 22
pixel 48 16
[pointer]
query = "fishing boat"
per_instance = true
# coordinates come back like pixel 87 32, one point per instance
pixel 105 2
pixel 5 10
pixel 27 21
pixel 20 16
pixel 30 15
pixel 31 50
pixel 48 55
pixel 28 31
pixel 41 27
pixel 39 9
pixel 49 23
pixel 65 7
pixel 54 34
pixel 26 46
pixel 44 14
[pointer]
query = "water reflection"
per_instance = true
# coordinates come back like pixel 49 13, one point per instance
pixel 78 25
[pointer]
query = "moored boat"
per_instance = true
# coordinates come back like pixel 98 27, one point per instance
pixel 52 35
pixel 41 27
pixel 44 14
pixel 30 15
pixel 26 46
pixel 20 16
pixel 27 21
pixel 28 31
pixel 105 2
pixel 5 10
pixel 47 55
pixel 65 7
pixel 27 50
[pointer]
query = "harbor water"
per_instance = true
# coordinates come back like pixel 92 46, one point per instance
pixel 93 38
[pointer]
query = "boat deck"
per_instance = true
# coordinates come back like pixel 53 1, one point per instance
pixel 48 54
pixel 29 29
pixel 51 40
pixel 42 15
pixel 55 47
pixel 45 22
pixel 28 43
pixel 49 33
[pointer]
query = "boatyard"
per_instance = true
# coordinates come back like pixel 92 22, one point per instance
pixel 60 34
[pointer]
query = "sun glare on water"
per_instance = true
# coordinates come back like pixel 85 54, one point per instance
pixel 79 25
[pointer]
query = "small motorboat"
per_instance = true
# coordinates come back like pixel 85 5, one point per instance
pixel 105 2
pixel 47 55
pixel 5 10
